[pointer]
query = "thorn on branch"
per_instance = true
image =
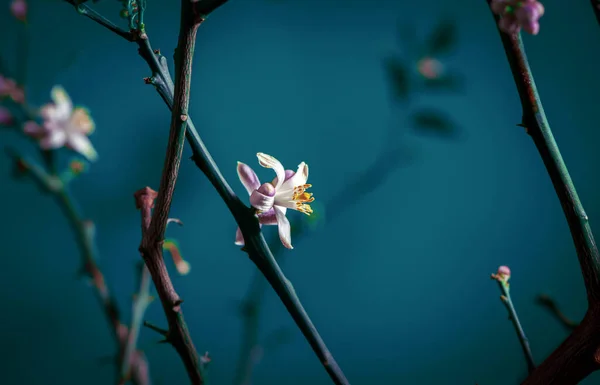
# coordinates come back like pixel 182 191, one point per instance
pixel 159 330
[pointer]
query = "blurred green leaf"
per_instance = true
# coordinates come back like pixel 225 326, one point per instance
pixel 430 121
pixel 446 82
pixel 443 38
pixel 399 76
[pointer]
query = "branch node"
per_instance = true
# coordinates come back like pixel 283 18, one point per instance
pixel 144 198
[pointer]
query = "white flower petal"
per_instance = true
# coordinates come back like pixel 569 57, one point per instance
pixel 268 161
pixel 299 178
pixel 81 144
pixel 283 225
pixel 54 139
pixel 63 103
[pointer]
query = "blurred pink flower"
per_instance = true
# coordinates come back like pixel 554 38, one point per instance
pixel 63 125
pixel 502 275
pixel 271 200
pixel 10 88
pixel 19 9
pixel 6 118
pixel 430 68
pixel 517 14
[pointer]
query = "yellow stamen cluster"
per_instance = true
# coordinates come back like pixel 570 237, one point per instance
pixel 303 198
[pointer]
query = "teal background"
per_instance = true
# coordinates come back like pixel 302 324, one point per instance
pixel 398 284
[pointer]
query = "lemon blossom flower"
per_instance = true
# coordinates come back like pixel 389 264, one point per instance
pixel 517 14
pixel 271 200
pixel 63 125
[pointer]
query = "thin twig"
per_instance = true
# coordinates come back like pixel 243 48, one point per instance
pixel 504 286
pixel 85 236
pixel 577 356
pixel 550 304
pixel 141 301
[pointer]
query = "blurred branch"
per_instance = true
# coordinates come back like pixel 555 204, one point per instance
pixel 596 8
pixel 577 357
pixel 548 303
pixel 256 247
pixel 141 301
pixel 502 277
pixel 390 158
pixel 85 234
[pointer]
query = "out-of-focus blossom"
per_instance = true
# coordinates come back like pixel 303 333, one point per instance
pixel 19 9
pixel 502 275
pixel 430 68
pixel 6 118
pixel 271 200
pixel 517 14
pixel 10 88
pixel 63 125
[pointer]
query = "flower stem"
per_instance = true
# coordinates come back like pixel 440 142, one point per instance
pixel 84 231
pixel 577 356
pixel 514 318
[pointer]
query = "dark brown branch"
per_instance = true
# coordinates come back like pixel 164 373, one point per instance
pixel 577 357
pixel 153 228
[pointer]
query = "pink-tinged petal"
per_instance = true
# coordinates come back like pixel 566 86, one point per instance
pixel 283 225
pixel 18 95
pixel 247 177
pixel 19 9
pixel 498 7
pixel 53 140
pixel 268 217
pixel 239 238
pixel 33 129
pixel 288 175
pixel 504 270
pixel 81 144
pixel 262 199
pixel 4 86
pixel 268 161
pixel 81 121
pixel 532 28
pixel 509 24
pixel 6 117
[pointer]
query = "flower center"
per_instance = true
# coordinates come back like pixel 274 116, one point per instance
pixel 302 198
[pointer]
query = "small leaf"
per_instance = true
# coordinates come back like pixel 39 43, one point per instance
pixel 399 77
pixel 429 121
pixel 443 38
pixel 183 267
